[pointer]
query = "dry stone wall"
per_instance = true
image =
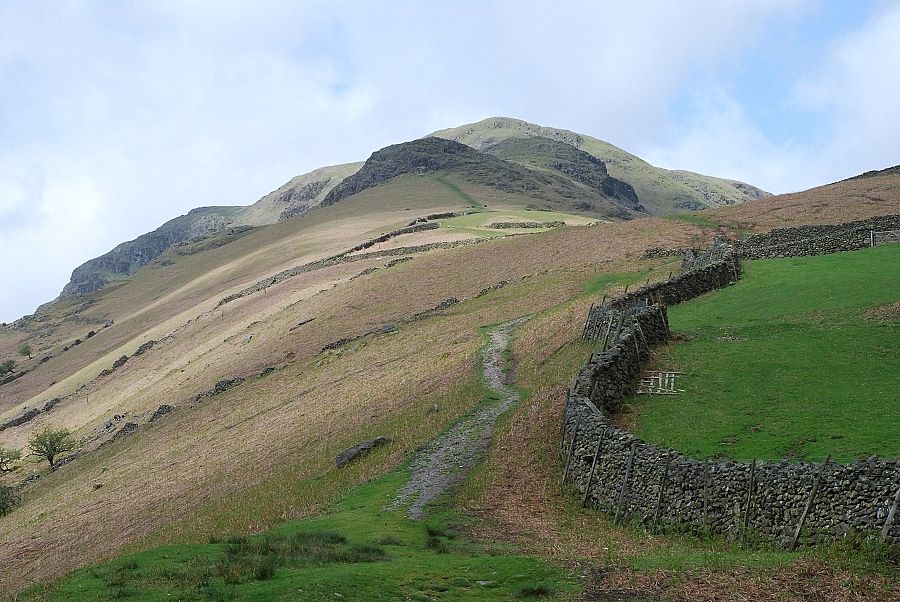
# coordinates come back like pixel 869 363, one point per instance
pixel 815 240
pixel 615 471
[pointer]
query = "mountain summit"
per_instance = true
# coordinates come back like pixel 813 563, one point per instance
pixel 660 191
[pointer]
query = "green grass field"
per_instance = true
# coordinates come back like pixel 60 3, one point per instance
pixel 357 551
pixel 476 223
pixel 787 363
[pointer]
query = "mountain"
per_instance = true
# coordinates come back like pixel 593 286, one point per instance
pixel 558 169
pixel 128 257
pixel 660 191
pixel 566 160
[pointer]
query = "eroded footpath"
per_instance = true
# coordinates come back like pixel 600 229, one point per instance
pixel 447 459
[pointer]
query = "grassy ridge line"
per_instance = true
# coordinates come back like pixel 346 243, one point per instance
pixel 786 363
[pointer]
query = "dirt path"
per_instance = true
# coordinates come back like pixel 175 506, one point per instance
pixel 447 459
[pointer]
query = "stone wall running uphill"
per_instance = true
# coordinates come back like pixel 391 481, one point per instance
pixel 615 471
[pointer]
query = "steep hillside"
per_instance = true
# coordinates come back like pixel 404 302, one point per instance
pixel 291 420
pixel 293 198
pixel 888 171
pixel 870 194
pixel 434 157
pixel 556 167
pixel 660 191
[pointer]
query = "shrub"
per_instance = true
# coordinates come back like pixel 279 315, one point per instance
pixel 534 591
pixel 6 366
pixel 8 500
pixel 7 458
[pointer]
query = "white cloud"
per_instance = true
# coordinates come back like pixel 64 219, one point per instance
pixel 141 111
pixel 66 220
pixel 718 138
pixel 856 90
pixel 850 93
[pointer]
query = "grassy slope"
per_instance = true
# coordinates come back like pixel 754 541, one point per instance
pixel 498 509
pixel 310 408
pixel 161 293
pixel 830 204
pixel 386 557
pixel 806 374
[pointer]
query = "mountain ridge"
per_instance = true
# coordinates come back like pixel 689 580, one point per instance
pixel 606 181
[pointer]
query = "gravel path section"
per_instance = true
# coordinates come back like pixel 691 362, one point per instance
pixel 447 459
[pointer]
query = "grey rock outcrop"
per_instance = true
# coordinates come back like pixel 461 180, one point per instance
pixel 221 387
pixel 350 454
pixel 160 412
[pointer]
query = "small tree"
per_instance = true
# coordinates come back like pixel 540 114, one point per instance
pixel 48 443
pixel 25 350
pixel 8 500
pixel 7 458
pixel 6 366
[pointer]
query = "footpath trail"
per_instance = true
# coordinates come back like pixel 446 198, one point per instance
pixel 447 459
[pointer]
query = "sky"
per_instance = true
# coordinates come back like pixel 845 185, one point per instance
pixel 117 116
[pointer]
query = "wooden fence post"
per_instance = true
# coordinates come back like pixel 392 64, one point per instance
pixel 640 331
pixel 606 336
pixel 664 480
pixel 565 474
pixel 564 414
pixel 705 492
pixel 588 322
pixel 809 501
pixel 889 521
pixel 750 486
pixel 621 323
pixel 590 481
pixel 621 504
pixel 634 336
